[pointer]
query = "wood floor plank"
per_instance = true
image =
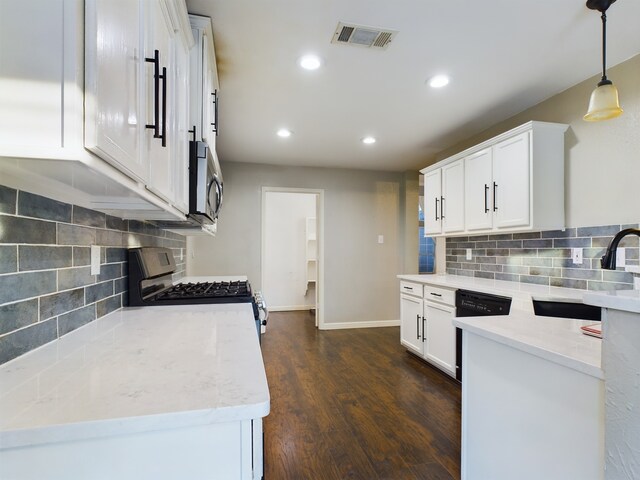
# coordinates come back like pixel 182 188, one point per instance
pixel 352 404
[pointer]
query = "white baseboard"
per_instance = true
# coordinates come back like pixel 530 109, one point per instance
pixel 373 324
pixel 291 308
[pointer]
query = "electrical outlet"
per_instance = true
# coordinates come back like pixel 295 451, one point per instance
pixel 469 254
pixel 621 257
pixel 576 256
pixel 95 259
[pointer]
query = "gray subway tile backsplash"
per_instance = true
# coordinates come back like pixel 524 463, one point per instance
pixel 8 258
pixel 89 218
pixel 545 257
pixel 75 319
pixel 31 205
pixel 17 315
pixel 26 339
pixel 46 286
pixel 44 257
pixel 26 230
pixel 20 286
pixel 8 198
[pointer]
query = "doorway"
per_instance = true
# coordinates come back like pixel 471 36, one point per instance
pixel 292 250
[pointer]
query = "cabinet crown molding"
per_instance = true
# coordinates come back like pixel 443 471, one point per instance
pixel 531 125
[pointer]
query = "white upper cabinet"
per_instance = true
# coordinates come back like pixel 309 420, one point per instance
pixel 512 182
pixel 74 97
pixel 432 202
pixel 40 83
pixel 181 125
pixel 136 87
pixel 452 201
pixel 478 187
pixel 114 120
pixel 159 96
pixel 204 81
pixel 444 199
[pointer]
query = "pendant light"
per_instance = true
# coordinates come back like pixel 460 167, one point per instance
pixel 604 103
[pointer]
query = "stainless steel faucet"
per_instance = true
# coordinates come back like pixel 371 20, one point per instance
pixel 608 260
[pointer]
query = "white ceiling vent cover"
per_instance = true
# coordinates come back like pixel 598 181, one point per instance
pixel 362 35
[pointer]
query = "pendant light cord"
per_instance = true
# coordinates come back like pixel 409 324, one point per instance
pixel 604 45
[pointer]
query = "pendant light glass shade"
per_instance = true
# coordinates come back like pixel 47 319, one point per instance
pixel 604 103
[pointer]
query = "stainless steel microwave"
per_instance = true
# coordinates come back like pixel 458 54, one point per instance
pixel 205 184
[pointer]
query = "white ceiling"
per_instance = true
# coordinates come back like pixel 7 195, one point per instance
pixel 503 56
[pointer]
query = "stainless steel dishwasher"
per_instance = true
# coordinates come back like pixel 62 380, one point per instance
pixel 476 304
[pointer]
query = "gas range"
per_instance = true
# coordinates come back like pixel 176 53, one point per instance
pixel 151 284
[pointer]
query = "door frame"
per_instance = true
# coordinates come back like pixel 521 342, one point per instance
pixel 319 236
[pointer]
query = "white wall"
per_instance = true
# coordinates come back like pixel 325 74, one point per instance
pixel 285 262
pixel 360 274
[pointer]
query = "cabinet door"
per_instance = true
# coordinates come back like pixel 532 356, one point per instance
pixel 196 77
pixel 441 336
pixel 42 79
pixel 113 103
pixel 432 202
pixel 411 323
pixel 210 96
pixel 511 180
pixel 478 206
pixel 181 126
pixel 453 197
pixel 159 98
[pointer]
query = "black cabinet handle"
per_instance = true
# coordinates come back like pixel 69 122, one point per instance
pixel 442 208
pixel 193 132
pixel 486 198
pixel 408 288
pixel 437 210
pixel 163 135
pixel 418 326
pixel 495 205
pixel 435 294
pixel 156 93
pixel 424 337
pixel 214 94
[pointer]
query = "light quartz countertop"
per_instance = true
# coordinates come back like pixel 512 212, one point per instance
pixel 625 300
pixel 136 370
pixel 559 340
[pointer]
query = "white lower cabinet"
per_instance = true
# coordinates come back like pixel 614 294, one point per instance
pixel 440 345
pixel 426 324
pixel 411 323
pixel 226 450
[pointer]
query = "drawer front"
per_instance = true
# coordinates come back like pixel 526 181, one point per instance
pixel 441 295
pixel 411 288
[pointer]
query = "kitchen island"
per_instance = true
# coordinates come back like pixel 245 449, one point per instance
pixel 142 393
pixel 532 387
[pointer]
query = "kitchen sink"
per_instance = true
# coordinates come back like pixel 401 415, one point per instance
pixel 566 309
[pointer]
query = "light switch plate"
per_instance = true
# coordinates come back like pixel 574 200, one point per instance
pixel 95 259
pixel 621 257
pixel 576 256
pixel 380 238
pixel 469 254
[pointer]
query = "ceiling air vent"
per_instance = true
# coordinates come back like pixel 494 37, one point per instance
pixel 362 35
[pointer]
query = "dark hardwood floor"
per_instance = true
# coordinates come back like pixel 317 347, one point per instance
pixel 353 404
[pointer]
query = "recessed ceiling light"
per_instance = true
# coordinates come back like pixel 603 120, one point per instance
pixel 438 81
pixel 310 62
pixel 284 132
pixel 368 140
